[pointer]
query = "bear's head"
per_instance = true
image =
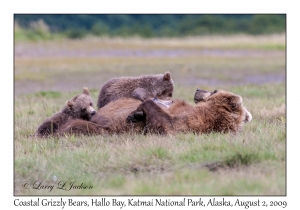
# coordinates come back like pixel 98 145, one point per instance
pixel 164 86
pixel 202 95
pixel 81 106
pixel 226 100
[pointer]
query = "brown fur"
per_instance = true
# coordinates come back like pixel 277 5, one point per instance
pixel 221 111
pixel 110 119
pixel 141 88
pixel 79 107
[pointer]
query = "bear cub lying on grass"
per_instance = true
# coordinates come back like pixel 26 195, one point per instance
pixel 218 111
pixel 79 107
pixel 159 86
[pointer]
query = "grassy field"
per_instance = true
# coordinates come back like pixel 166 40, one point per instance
pixel 252 162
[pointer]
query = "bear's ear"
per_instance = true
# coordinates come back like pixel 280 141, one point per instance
pixel 167 76
pixel 235 101
pixel 86 91
pixel 69 104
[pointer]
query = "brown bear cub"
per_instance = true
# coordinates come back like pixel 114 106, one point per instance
pixel 218 111
pixel 79 107
pixel 159 86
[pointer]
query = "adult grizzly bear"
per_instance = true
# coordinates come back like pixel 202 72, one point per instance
pixel 79 107
pixel 148 86
pixel 111 119
pixel 220 111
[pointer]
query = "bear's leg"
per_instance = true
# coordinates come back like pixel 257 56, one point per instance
pixel 140 94
pixel 136 116
pixel 156 119
pixel 78 127
pixel 47 128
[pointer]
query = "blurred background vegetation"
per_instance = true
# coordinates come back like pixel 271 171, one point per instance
pixel 54 26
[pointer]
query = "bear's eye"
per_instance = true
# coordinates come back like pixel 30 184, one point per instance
pixel 91 104
pixel 234 106
pixel 84 109
pixel 170 95
pixel 164 92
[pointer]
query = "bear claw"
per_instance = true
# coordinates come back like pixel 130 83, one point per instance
pixel 139 115
pixel 135 117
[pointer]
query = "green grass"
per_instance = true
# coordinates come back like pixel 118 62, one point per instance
pixel 251 162
pixel 155 164
pixel 48 94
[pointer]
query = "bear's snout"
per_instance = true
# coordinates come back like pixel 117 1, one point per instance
pixel 93 112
